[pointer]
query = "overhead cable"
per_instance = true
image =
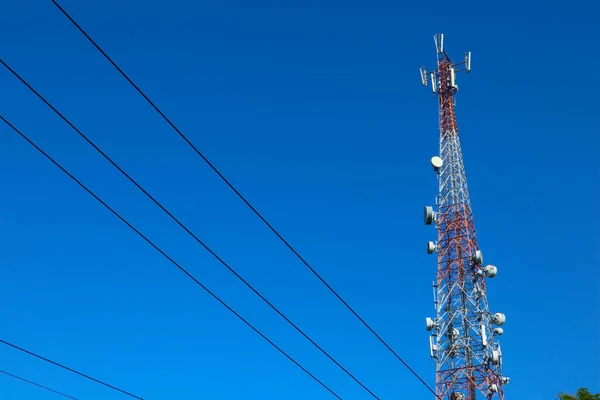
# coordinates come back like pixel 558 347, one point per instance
pixel 171 260
pixel 37 385
pixel 57 364
pixel 187 230
pixel 242 197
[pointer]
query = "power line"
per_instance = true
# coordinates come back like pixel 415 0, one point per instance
pixel 31 353
pixel 198 240
pixel 38 385
pixel 242 197
pixel 140 234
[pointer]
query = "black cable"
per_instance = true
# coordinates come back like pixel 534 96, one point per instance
pixel 164 255
pixel 31 353
pixel 234 272
pixel 38 385
pixel 224 179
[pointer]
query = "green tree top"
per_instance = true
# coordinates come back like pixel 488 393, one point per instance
pixel 582 394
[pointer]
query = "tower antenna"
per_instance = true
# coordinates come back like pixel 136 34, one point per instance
pixel 464 333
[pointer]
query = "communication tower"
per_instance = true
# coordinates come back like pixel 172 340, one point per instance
pixel 464 333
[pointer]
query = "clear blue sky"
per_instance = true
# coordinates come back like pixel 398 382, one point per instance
pixel 315 111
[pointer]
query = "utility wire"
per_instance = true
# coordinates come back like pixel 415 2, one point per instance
pixel 140 234
pixel 31 353
pixel 242 197
pixel 38 385
pixel 204 245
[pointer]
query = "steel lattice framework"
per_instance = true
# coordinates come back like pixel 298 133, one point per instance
pixel 464 340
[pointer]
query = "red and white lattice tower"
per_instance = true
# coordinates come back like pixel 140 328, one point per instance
pixel 464 341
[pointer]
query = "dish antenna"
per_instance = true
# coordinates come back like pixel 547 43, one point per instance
pixel 498 319
pixel 489 271
pixel 437 163
pixel 430 324
pixel 431 247
pixel 429 215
